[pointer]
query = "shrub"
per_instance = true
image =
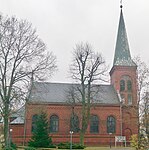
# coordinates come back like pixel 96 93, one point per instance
pixel 139 143
pixel 77 146
pixel 134 141
pixel 52 146
pixel 30 148
pixel 12 147
pixel 67 146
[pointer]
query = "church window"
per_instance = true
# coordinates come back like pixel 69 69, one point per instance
pixel 74 123
pixel 129 99
pixel 129 85
pixel 111 124
pixel 94 124
pixel 122 85
pixel 34 120
pixel 54 122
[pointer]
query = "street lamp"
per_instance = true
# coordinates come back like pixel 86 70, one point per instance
pixel 10 138
pixel 71 132
pixel 110 139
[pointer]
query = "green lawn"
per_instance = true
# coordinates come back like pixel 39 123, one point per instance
pixel 96 148
pixel 91 148
pixel 108 148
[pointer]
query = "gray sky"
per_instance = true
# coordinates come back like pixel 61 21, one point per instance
pixel 63 23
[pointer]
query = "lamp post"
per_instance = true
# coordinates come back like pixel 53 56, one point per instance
pixel 110 139
pixel 71 132
pixel 10 138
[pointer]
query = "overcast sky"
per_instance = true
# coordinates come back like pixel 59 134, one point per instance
pixel 63 23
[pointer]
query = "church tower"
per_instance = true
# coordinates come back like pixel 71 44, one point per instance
pixel 123 73
pixel 124 79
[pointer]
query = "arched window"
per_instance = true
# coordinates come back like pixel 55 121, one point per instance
pixel 34 120
pixel 122 85
pixel 129 86
pixel 94 124
pixel 54 122
pixel 111 124
pixel 74 123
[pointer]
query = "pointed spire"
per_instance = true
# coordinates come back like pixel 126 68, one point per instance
pixel 122 53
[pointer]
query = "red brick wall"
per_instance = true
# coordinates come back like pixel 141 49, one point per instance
pixel 129 115
pixel 130 121
pixel 17 133
pixel 64 112
pixel 117 72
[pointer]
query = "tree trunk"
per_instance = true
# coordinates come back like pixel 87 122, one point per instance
pixel 84 124
pixel 6 127
pixel 81 138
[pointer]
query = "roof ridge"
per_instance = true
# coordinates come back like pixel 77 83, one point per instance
pixel 68 83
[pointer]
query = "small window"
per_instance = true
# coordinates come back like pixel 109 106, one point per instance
pixel 54 122
pixel 74 123
pixel 94 124
pixel 129 99
pixel 34 120
pixel 122 85
pixel 129 86
pixel 111 124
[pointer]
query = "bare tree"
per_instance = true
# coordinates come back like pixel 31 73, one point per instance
pixel 143 102
pixel 145 115
pixel 87 69
pixel 22 54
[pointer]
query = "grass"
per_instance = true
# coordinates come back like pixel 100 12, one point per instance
pixel 108 148
pixel 98 148
pixel 91 148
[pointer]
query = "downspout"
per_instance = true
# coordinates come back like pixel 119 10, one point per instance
pixel 121 119
pixel 24 137
pixel 121 114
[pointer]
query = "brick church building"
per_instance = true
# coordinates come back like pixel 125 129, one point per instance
pixel 113 115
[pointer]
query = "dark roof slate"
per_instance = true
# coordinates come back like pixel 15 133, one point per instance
pixel 122 53
pixel 45 92
pixel 19 115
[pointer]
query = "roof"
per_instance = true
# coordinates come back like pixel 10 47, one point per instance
pixel 18 120
pixel 46 92
pixel 122 52
pixel 19 115
pixel 19 112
